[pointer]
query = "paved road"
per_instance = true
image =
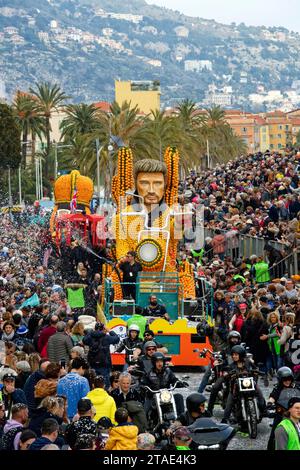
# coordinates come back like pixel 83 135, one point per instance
pixel 238 442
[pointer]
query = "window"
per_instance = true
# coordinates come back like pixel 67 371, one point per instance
pixel 279 136
pixel 271 146
pixel 280 128
pixel 287 128
pixel 279 146
pixel 244 130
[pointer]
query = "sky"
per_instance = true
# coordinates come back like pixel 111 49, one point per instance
pixel 251 12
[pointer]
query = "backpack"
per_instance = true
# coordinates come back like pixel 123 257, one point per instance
pixel 9 437
pixel 137 414
pixel 97 354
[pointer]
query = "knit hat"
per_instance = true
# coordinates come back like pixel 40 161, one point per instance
pixel 24 366
pixel 145 440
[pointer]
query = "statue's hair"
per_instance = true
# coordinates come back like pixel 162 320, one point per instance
pixel 149 166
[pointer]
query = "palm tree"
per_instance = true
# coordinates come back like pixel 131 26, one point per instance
pixel 80 119
pixel 28 118
pixel 49 98
pixel 79 155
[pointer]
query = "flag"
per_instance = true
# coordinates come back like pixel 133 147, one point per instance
pixel 33 301
pixel 73 203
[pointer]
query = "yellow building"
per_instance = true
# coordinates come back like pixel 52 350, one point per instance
pixel 145 94
pixel 280 130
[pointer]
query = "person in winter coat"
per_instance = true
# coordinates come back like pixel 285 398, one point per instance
pixel 24 371
pixel 275 357
pixel 103 403
pixel 10 394
pixel 31 382
pixel 287 332
pixel 125 392
pixel 84 425
pixel 73 385
pixel 130 343
pixel 124 435
pixel 99 358
pixel 45 334
pixel 59 344
pixel 8 333
pixel 253 328
pixel 49 434
pixel 14 427
pixel 218 244
pixel 47 386
pixel 49 408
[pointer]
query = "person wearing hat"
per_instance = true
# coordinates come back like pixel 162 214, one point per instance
pixel 287 433
pixel 146 441
pixel 182 438
pixel 10 394
pixel 85 424
pixel 24 371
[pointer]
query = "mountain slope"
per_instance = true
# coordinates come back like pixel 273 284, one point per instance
pixel 84 45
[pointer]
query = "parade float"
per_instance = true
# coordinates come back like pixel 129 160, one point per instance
pixel 153 233
pixel 71 217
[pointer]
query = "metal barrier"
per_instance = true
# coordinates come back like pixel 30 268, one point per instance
pixel 247 245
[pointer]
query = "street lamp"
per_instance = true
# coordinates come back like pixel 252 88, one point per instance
pixel 20 183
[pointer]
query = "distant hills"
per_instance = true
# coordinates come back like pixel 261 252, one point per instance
pixel 85 44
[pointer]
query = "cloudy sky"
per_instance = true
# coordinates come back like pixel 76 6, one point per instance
pixel 252 12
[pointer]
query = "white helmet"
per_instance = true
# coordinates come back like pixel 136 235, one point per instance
pixel 134 327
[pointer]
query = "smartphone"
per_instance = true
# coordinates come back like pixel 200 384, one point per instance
pixel 63 363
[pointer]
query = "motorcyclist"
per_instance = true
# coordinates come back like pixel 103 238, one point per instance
pixel 218 342
pixel 144 363
pixel 160 376
pixel 130 343
pixel 286 379
pixel 233 339
pixel 240 365
pixel 195 409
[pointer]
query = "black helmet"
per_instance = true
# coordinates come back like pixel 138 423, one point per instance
pixel 238 349
pixel 204 329
pixel 284 373
pixel 158 356
pixel 233 334
pixel 194 400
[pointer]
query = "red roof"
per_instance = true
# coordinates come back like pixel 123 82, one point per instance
pixel 103 105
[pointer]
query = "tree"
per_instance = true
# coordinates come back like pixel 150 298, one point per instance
pixel 80 119
pixel 49 98
pixel 10 135
pixel 26 111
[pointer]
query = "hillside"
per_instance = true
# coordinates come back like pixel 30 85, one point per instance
pixel 85 44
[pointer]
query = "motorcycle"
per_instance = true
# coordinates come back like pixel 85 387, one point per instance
pixel 209 435
pixel 245 408
pixel 163 410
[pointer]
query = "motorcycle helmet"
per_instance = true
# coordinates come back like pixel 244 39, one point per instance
pixel 285 373
pixel 134 327
pixel 204 329
pixel 194 400
pixel 158 356
pixel 234 334
pixel 238 349
pixel 149 344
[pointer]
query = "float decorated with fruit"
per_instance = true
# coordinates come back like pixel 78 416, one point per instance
pixel 149 223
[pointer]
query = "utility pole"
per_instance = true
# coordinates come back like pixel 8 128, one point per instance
pixel 98 150
pixel 9 189
pixel 208 156
pixel 20 186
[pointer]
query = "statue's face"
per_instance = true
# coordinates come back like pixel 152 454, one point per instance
pixel 151 186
